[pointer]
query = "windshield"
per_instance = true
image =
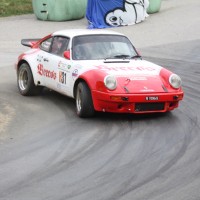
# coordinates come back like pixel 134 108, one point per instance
pixel 95 47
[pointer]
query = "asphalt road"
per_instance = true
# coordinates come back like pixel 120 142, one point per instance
pixel 47 152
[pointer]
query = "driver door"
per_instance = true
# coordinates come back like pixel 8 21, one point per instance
pixel 51 61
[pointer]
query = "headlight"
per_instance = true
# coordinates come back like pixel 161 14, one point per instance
pixel 110 82
pixel 175 81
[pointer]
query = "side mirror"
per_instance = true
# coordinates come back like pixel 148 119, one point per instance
pixel 67 54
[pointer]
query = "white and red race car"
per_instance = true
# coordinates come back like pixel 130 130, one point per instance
pixel 100 69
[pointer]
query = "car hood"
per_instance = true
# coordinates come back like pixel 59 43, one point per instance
pixel 133 76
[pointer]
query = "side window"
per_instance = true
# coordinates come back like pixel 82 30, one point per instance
pixel 45 45
pixel 59 45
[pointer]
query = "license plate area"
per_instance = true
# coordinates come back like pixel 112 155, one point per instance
pixel 154 98
pixel 145 107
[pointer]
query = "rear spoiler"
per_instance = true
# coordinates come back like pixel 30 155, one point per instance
pixel 29 42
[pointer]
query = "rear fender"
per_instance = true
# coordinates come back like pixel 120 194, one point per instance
pixel 37 79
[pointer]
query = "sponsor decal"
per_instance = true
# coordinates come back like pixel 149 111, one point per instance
pixel 152 98
pixel 138 78
pixel 39 58
pixel 134 78
pixel 62 65
pixel 45 72
pixel 69 66
pixel 146 89
pixel 125 68
pixel 75 74
pixel 62 77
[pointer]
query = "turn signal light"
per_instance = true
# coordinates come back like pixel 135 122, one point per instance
pixel 115 98
pixel 118 98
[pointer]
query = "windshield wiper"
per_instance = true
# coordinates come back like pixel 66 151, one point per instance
pixel 136 56
pixel 122 56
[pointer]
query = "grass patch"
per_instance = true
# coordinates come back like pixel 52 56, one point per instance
pixel 15 7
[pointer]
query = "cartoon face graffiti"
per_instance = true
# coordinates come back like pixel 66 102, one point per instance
pixel 116 18
pixel 134 11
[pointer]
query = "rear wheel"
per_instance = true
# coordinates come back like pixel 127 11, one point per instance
pixel 25 81
pixel 84 104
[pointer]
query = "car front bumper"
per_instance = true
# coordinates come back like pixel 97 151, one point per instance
pixel 136 103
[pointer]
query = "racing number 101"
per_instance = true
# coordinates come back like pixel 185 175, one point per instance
pixel 62 77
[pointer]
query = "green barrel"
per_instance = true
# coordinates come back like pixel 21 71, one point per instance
pixel 59 10
pixel 154 6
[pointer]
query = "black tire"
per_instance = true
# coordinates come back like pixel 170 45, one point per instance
pixel 25 81
pixel 84 103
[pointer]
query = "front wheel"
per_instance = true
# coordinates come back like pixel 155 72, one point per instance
pixel 84 103
pixel 25 81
